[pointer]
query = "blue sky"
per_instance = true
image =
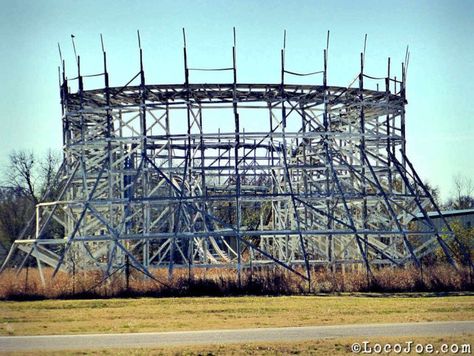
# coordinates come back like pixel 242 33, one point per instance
pixel 440 115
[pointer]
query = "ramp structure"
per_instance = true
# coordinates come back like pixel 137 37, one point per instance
pixel 234 175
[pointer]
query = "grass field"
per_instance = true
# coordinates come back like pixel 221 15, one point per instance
pixel 175 314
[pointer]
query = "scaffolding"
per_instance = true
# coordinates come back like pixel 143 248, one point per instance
pixel 170 176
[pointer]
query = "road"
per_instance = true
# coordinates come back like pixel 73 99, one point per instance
pixel 157 339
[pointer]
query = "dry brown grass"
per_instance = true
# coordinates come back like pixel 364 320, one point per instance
pixel 224 282
pixel 121 315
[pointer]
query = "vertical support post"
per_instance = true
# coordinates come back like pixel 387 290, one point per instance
pixel 177 224
pixel 283 129
pixel 305 143
pixel 144 155
pixel 171 218
pixel 287 175
pixel 203 155
pixel 388 133
pixel 272 145
pixel 189 158
pixel 83 165
pixel 327 127
pixel 326 124
pixel 387 124
pixel 73 262
pixel 402 124
pixel 236 162
pixel 219 171
pixel 203 205
pixel 80 92
pixel 65 121
pixel 127 272
pixel 37 227
pixel 108 131
pixel 362 163
pixel 40 267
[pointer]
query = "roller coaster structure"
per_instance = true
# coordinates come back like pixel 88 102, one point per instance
pixel 234 175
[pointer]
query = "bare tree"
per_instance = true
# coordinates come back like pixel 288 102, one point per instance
pixel 30 174
pixel 463 195
pixel 26 181
pixel 48 169
pixel 21 173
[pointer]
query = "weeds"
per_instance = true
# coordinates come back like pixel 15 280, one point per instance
pixel 225 282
